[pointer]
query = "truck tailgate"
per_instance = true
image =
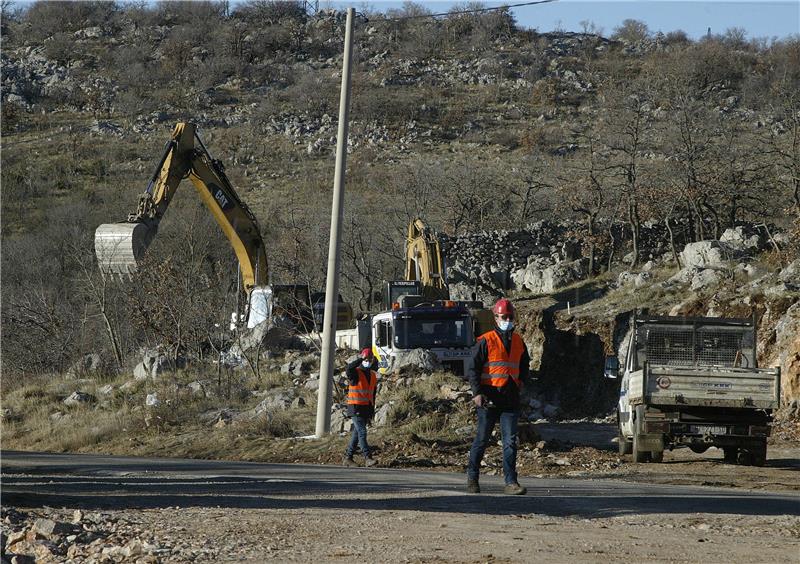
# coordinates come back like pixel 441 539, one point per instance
pixel 757 388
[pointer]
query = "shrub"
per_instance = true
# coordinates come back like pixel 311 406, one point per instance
pixel 631 31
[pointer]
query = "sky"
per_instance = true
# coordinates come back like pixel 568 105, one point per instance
pixel 759 18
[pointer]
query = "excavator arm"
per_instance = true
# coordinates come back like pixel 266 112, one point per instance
pixel 424 260
pixel 120 247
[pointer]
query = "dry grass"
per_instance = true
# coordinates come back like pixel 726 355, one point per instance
pixel 120 423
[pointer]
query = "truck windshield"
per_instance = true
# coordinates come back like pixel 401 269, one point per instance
pixel 427 331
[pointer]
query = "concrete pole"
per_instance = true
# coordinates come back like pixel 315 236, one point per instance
pixel 334 244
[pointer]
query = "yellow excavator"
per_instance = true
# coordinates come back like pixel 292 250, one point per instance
pixel 425 275
pixel 424 260
pixel 120 247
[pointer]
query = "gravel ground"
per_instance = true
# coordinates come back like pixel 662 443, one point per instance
pixel 325 535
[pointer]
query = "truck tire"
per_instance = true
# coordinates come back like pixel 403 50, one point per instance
pixel 758 455
pixel 698 449
pixel 656 456
pixel 625 446
pixel 639 455
pixel 730 455
pixel 744 458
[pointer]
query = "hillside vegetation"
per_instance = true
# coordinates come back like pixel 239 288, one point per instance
pixel 467 121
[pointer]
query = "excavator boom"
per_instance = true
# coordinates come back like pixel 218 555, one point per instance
pixel 120 247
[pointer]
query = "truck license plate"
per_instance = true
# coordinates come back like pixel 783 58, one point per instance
pixel 708 429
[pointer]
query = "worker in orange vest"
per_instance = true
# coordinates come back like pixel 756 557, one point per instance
pixel 361 405
pixel 501 367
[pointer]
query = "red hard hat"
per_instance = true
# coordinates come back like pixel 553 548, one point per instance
pixel 503 307
pixel 366 353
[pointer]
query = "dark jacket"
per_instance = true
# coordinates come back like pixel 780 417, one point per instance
pixel 507 397
pixel 367 411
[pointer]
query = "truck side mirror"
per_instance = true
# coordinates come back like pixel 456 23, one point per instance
pixel 611 369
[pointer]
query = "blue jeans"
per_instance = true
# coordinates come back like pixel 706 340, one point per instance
pixel 508 429
pixel 359 436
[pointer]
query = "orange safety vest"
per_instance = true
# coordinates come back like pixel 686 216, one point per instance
pixel 502 365
pixel 363 393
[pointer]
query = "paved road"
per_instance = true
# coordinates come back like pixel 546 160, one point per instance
pixel 115 482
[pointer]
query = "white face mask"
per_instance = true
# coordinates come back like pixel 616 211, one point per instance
pixel 366 363
pixel 506 325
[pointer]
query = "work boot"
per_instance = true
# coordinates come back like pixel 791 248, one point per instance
pixel 369 461
pixel 514 489
pixel 348 461
pixel 473 486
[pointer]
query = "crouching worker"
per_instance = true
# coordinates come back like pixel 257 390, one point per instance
pixel 361 405
pixel 501 367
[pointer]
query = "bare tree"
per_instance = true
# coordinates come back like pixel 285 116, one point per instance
pixel 627 136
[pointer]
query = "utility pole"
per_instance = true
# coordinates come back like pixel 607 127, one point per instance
pixel 334 244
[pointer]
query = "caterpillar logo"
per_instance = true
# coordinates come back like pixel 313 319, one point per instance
pixel 220 197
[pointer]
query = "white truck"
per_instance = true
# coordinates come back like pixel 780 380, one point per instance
pixel 442 327
pixel 694 382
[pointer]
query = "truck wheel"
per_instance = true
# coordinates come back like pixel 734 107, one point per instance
pixel 699 449
pixel 625 446
pixel 758 454
pixel 730 454
pixel 745 458
pixel 639 455
pixel 657 455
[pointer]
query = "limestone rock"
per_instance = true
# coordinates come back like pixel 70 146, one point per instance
pixel 340 422
pixel 415 360
pixel 79 398
pixel 88 365
pixel 703 254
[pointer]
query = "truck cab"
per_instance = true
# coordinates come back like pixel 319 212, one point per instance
pixel 442 327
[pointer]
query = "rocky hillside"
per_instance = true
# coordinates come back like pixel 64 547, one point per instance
pixel 573 166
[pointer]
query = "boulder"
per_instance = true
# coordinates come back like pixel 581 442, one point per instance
pixel 154 363
pixel 161 364
pixel 704 278
pixel 79 398
pixel 787 353
pixel 89 364
pixel 741 238
pixel 382 415
pixel 340 422
pixel 703 254
pixel 214 416
pixel 197 388
pixel 791 273
pixel 278 401
pixel 415 360
pixel 550 278
pixel 140 372
pixel 637 279
pixel 294 367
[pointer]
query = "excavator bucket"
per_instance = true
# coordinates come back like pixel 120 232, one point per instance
pixel 120 246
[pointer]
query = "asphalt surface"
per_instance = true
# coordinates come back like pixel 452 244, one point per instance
pixel 32 480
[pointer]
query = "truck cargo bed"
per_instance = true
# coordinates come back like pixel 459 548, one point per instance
pixel 719 387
